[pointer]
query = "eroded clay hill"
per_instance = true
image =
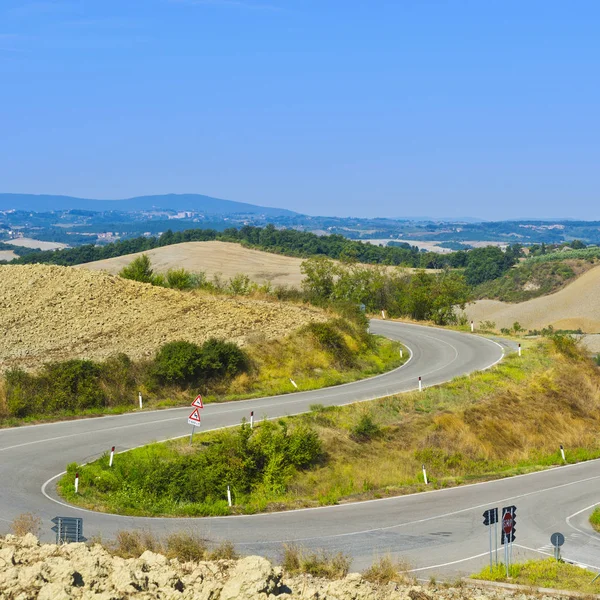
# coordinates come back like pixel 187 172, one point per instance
pixel 577 306
pixel 54 313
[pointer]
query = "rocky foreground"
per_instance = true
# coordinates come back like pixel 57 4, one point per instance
pixel 30 570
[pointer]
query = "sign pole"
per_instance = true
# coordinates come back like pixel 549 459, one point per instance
pixel 491 566
pixel 192 434
pixel 496 538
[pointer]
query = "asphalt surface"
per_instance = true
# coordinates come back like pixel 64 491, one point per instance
pixel 438 532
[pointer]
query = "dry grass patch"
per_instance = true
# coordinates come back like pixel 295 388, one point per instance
pixel 26 523
pixel 386 570
pixel 183 546
pixel 318 563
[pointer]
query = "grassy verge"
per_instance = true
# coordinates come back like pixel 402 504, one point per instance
pixel 313 357
pixel 505 421
pixel 595 519
pixel 547 573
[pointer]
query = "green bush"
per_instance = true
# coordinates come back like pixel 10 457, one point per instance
pixel 160 480
pixel 332 341
pixel 138 269
pixel 179 279
pixel 366 429
pixel 185 363
pixel 178 362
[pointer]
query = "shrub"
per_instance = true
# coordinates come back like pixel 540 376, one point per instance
pixel 132 544
pixel 26 523
pixel 332 341
pixel 224 551
pixel 239 285
pixel 386 570
pixel 178 362
pixel 186 547
pixel 138 269
pixel 597 359
pixel 183 362
pixel 179 279
pixel 366 429
pixel 317 563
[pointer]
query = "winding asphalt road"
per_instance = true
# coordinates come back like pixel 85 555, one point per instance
pixel 438 532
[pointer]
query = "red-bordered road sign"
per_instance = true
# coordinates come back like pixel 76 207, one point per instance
pixel 198 402
pixel 507 522
pixel 194 418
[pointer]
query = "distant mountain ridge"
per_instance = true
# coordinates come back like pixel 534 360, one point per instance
pixel 183 202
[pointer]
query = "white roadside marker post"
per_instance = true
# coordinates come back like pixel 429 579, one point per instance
pixel 383 314
pixel 401 353
pixel 472 327
pixel 140 398
pixel 251 419
pixel 562 452
pixel 425 476
pixel 420 385
pixel 519 350
pixel 76 483
pixel 293 383
pixel 112 455
pixel 228 496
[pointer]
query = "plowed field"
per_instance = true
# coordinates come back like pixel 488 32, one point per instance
pixel 54 313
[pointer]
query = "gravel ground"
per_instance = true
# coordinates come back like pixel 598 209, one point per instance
pixel 54 313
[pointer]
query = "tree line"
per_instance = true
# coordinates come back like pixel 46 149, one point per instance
pixel 479 264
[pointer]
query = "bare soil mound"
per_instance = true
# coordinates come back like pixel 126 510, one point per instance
pixel 577 306
pixel 225 258
pixel 54 313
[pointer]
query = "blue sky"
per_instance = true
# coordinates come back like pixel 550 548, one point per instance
pixel 446 108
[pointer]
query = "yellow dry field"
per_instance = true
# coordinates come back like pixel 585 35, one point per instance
pixel 31 243
pixel 225 258
pixel 54 313
pixel 577 306
pixel 7 255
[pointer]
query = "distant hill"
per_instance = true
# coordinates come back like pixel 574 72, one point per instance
pixel 183 202
pixel 576 306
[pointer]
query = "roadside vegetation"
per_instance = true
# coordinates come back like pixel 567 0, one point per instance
pixel 547 573
pixel 314 356
pixel 505 421
pixel 421 296
pixel 595 519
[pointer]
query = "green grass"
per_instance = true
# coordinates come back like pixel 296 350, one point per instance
pixel 505 421
pixel 595 519
pixel 273 366
pixel 547 573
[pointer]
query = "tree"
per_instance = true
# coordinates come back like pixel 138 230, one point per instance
pixel 320 274
pixel 138 270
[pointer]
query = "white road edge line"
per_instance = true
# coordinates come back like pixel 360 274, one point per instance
pixel 568 520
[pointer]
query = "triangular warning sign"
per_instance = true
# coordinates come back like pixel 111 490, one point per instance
pixel 198 402
pixel 194 418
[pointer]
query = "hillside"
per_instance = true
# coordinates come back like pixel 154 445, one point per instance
pixel 54 313
pixel 577 306
pixel 212 258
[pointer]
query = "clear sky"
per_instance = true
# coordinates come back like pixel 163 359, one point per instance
pixel 484 108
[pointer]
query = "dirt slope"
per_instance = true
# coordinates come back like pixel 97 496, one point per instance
pixel 575 306
pixel 51 313
pixel 214 257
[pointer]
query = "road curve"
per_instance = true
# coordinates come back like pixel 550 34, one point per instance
pixel 431 529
